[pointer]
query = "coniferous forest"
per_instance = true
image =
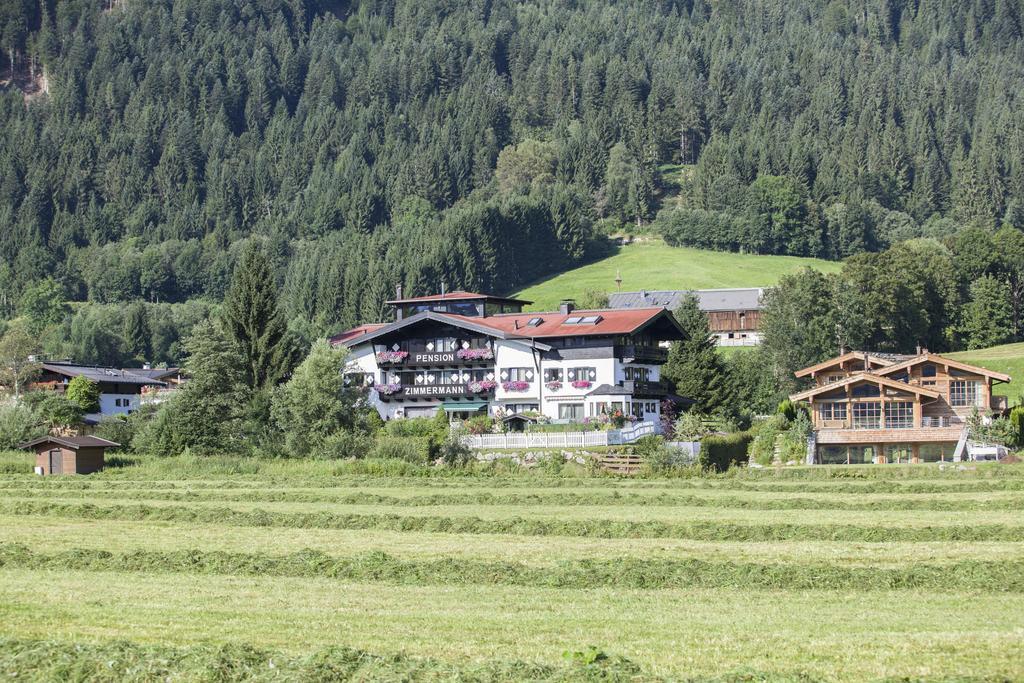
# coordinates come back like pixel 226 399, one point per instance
pixel 482 143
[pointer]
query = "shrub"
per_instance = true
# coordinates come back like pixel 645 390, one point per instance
pixel 415 449
pixel 719 453
pixel 59 411
pixel 85 393
pixel 453 453
pixel 411 426
pixel 481 424
pixel 117 428
pixel 691 427
pixel 762 447
pixel 18 424
pixel 344 444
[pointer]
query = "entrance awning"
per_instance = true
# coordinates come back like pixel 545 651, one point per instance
pixel 461 406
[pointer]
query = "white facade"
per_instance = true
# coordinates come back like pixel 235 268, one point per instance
pixel 118 404
pixel 560 389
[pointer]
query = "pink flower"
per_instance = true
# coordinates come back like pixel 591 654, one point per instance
pixel 581 384
pixel 553 386
pixel 515 385
pixel 474 354
pixel 392 356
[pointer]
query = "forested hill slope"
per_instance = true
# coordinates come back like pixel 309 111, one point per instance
pixel 478 141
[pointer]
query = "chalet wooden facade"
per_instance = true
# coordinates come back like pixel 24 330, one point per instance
pixel 878 408
pixel 734 314
pixel 473 354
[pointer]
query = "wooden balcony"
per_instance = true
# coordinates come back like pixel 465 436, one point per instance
pixel 389 392
pixel 641 389
pixel 631 353
pixel 950 432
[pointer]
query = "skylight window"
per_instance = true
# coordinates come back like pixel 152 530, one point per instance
pixel 575 320
pixel 590 320
pixel 534 322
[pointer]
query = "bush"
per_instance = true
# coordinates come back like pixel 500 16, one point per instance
pixel 762 447
pixel 344 444
pixel 411 426
pixel 719 453
pixel 117 428
pixel 691 427
pixel 59 411
pixel 415 449
pixel 84 392
pixel 454 453
pixel 481 424
pixel 18 424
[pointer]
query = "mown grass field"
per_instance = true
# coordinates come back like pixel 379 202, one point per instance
pixel 1006 358
pixel 655 265
pixel 223 570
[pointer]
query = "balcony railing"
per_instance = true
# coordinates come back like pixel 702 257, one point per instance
pixel 942 421
pixel 632 353
pixel 471 356
pixel 646 389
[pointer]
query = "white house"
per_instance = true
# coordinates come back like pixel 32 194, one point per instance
pixel 475 353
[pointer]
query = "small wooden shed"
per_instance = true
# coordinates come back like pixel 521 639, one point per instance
pixel 69 454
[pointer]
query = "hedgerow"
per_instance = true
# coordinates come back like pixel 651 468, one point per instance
pixel 595 528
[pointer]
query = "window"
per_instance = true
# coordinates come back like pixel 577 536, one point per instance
pixel 584 374
pixel 865 390
pixel 517 374
pixel 866 415
pixel 553 375
pixel 965 393
pixel 534 322
pixel 899 415
pixel 832 411
pixel 574 320
pixel 637 374
pixel 590 320
pixel 570 411
pixel 829 379
pixel 927 370
pixel 521 408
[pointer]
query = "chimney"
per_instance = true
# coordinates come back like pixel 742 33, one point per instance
pixel 398 291
pixel 917 351
pixel 643 296
pixel 567 306
pixel 444 287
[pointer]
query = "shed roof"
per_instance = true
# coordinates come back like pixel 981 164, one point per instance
pixel 72 442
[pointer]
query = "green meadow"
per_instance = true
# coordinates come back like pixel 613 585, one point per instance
pixel 1006 358
pixel 654 265
pixel 311 570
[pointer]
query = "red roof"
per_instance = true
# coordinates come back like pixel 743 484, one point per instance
pixel 347 335
pixel 610 322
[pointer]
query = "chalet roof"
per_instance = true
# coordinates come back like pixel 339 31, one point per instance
pixel 608 322
pixel 610 390
pixel 355 332
pixel 881 359
pixel 859 377
pixel 555 324
pixel 100 374
pixel 942 360
pixel 72 442
pixel 708 300
pixel 154 373
pixel 457 295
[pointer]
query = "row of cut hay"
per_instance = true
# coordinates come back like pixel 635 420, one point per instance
pixel 121 661
pixel 620 572
pixel 568 499
pixel 944 486
pixel 596 528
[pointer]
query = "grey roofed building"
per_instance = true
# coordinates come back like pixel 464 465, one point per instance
pixel 736 299
pixel 99 374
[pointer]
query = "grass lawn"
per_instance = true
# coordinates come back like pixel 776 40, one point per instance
pixel 655 265
pixel 1007 358
pixel 152 596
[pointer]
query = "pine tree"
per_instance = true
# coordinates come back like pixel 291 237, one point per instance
pixel 137 334
pixel 254 321
pixel 694 365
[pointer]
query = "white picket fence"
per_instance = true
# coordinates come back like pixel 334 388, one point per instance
pixel 612 437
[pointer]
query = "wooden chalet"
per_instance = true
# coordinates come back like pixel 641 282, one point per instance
pixel 877 408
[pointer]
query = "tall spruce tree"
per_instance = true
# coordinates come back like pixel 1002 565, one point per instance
pixel 254 321
pixel 694 365
pixel 137 335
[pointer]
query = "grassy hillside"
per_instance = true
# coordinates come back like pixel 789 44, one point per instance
pixel 655 265
pixel 1008 358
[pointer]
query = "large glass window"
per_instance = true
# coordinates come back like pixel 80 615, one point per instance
pixel 965 393
pixel 832 411
pixel 866 415
pixel 553 375
pixel 517 374
pixel 899 415
pixel 585 374
pixel 570 411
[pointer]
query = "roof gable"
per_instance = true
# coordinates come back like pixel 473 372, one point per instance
pixel 942 360
pixel 865 377
pixel 72 442
pixel 873 358
pixel 609 322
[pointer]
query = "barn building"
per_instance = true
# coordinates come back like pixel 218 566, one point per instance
pixel 734 315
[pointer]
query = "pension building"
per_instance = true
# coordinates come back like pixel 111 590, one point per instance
pixel 472 353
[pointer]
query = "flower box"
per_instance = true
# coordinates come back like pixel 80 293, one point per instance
pixel 474 354
pixel 515 385
pixel 392 356
pixel 388 389
pixel 553 386
pixel 581 384
pixel 481 386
